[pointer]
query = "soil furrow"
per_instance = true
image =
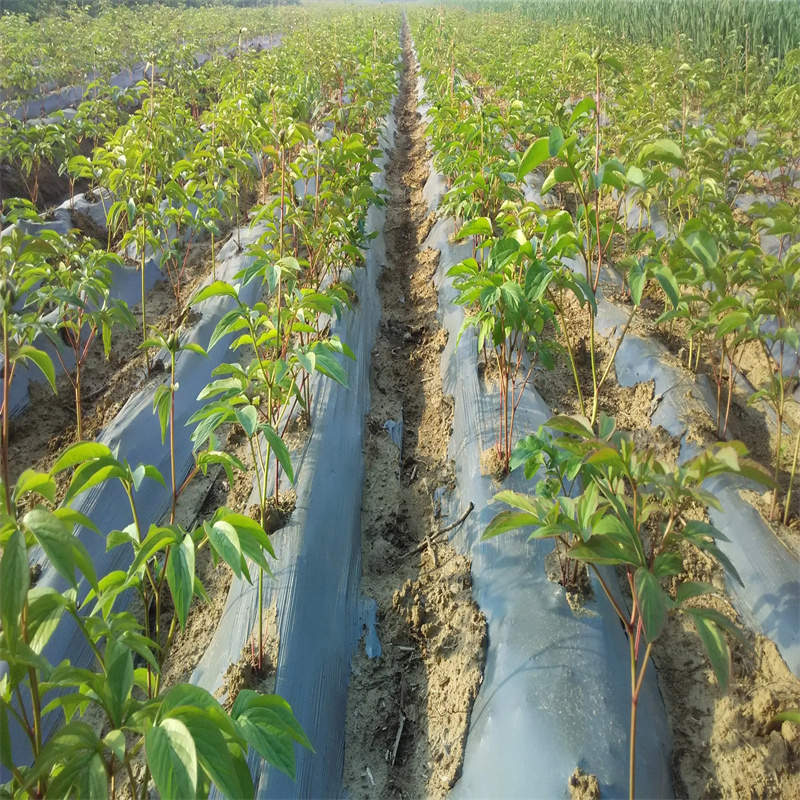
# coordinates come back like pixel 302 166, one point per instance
pixel 408 709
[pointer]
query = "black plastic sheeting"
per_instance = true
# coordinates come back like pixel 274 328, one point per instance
pixel 556 691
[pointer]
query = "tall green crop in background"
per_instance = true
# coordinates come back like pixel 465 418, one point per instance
pixel 713 26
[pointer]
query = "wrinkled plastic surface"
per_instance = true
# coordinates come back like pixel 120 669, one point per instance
pixel 321 615
pixel 556 689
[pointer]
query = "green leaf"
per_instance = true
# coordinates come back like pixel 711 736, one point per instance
pixel 162 403
pixel 602 550
pixel 180 576
pixel 728 324
pixel 115 742
pixel 667 564
pixel 555 141
pixel 279 449
pixel 668 283
pixel 55 539
pixel 83 775
pixel 508 521
pixel 92 473
pixel 689 589
pixel 119 680
pixel 248 419
pixel 517 500
pixel 270 728
pixel 560 174
pixel 482 226
pixel 172 758
pixel 637 279
pixel 45 608
pixel 585 106
pixel 6 757
pixel 193 347
pixel 636 177
pixel 247 527
pixel 83 561
pixel 67 744
pixel 14 583
pixel 535 155
pixel 330 367
pixel 78 453
pixel 215 289
pixel 28 353
pixel 661 150
pixel 652 603
pixel 156 539
pixel 716 646
pixel 205 726
pixel 613 62
pixel 575 425
pixel 224 538
pixel 792 715
pixel 703 247
pixel 39 482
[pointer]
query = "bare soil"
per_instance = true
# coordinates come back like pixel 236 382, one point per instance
pixel 245 673
pixel 583 786
pixel 722 742
pixel 408 710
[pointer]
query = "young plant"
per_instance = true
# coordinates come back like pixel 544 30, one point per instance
pixel 631 514
pixel 591 180
pixel 80 288
pixel 164 399
pixel 188 740
pixel 23 265
pixel 508 315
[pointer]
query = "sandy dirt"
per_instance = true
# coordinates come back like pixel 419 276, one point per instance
pixel 408 710
pixel 722 743
pixel 583 786
pixel 245 673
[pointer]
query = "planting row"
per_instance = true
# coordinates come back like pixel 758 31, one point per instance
pixel 71 49
pixel 553 169
pixel 82 693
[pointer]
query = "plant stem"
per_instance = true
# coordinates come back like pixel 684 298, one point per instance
pixel 560 309
pixel 6 412
pixel 635 690
pixel 172 437
pixel 791 480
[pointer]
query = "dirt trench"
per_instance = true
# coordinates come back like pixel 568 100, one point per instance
pixel 408 709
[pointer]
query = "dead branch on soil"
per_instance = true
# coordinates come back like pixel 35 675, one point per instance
pixel 420 547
